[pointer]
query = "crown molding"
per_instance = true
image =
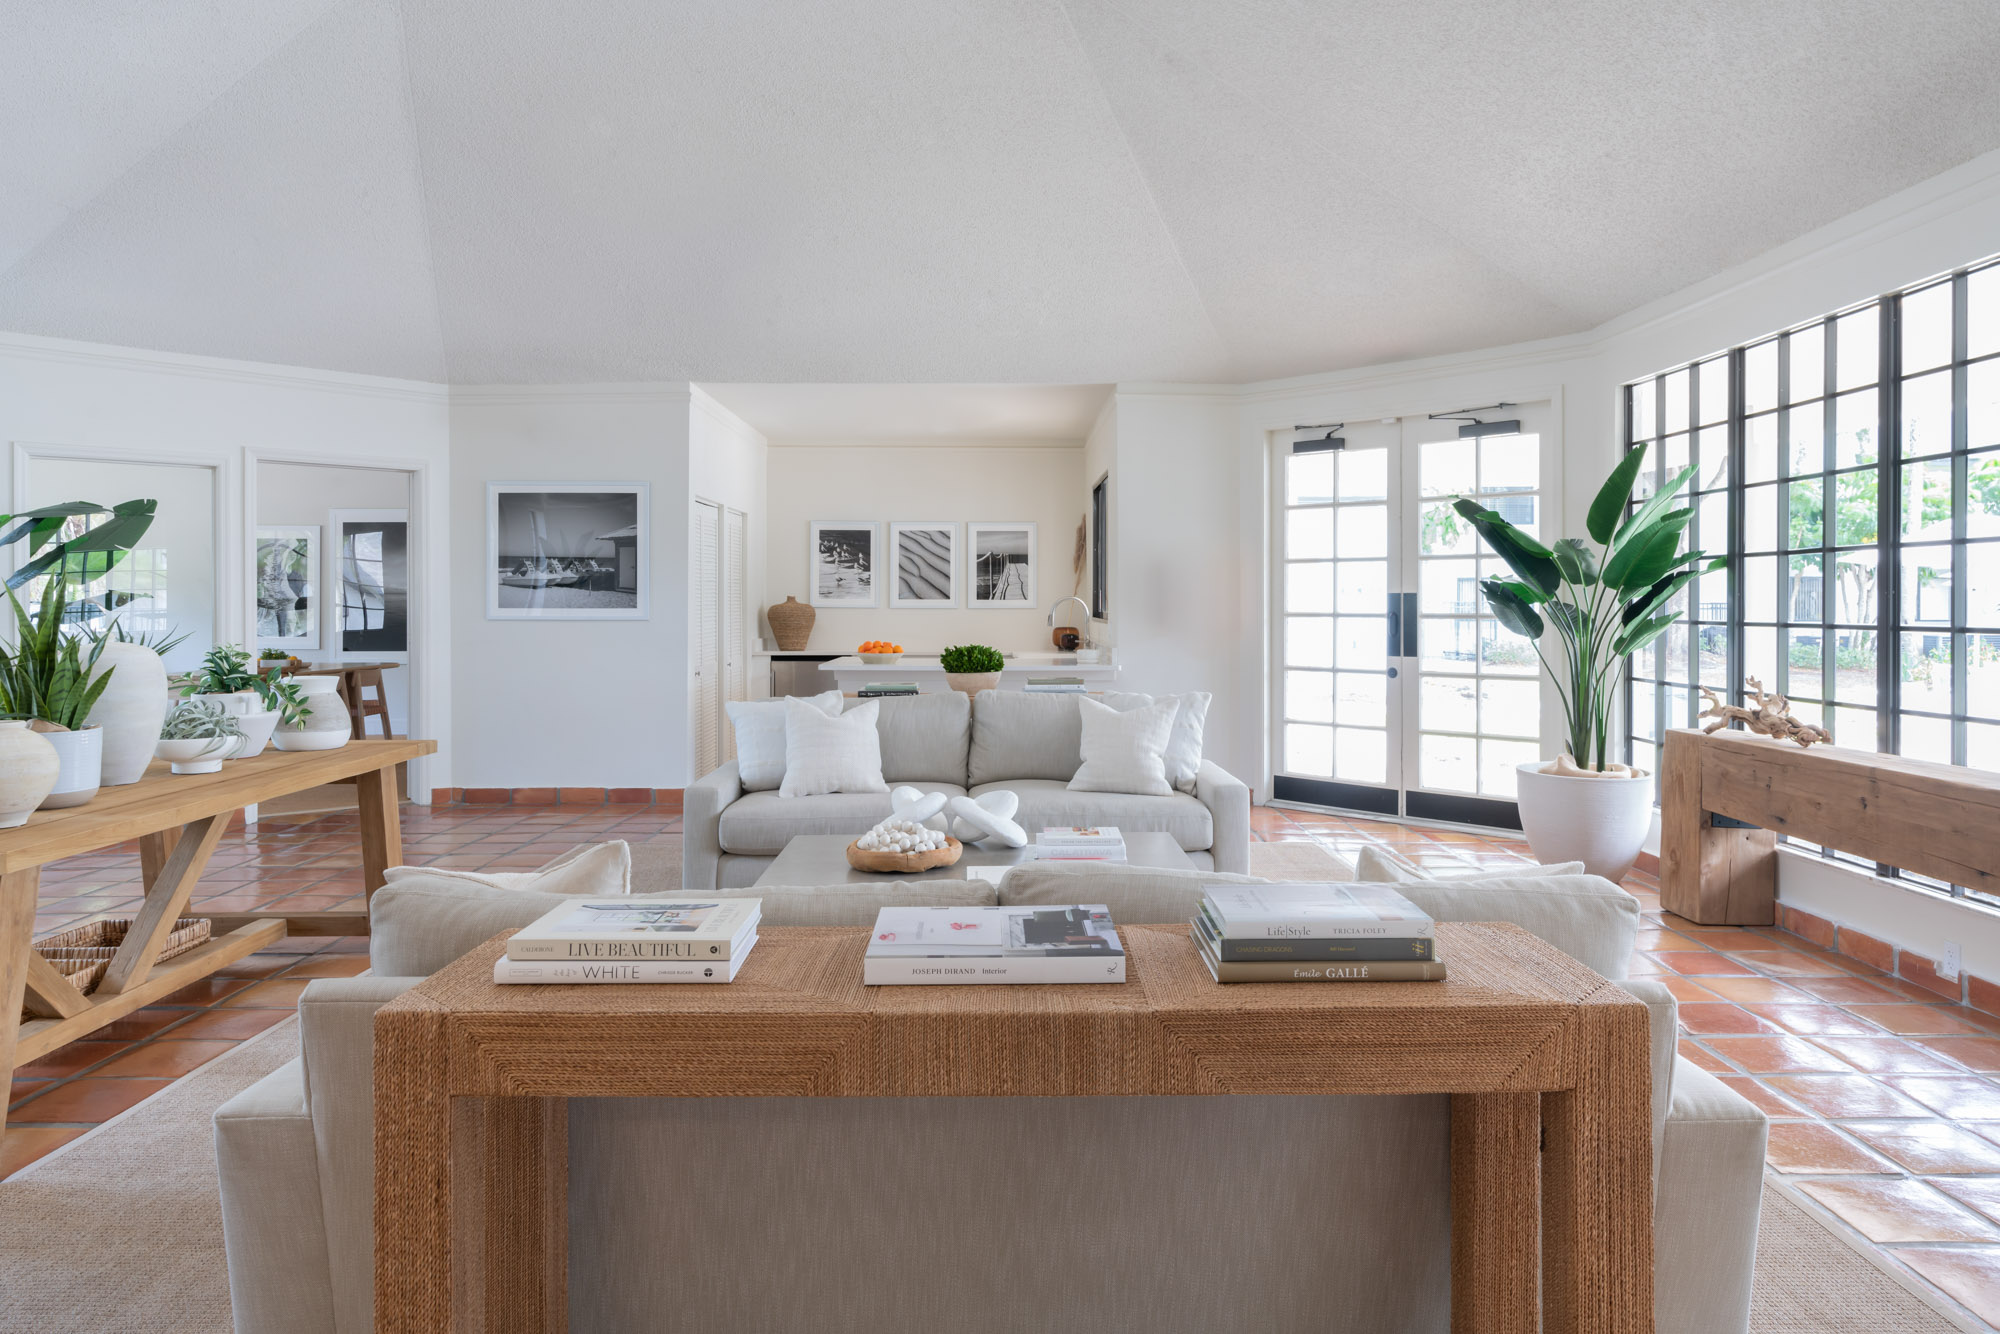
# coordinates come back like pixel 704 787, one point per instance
pixel 933 442
pixel 513 395
pixel 35 347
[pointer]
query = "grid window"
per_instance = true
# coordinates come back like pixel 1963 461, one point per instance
pixel 1862 503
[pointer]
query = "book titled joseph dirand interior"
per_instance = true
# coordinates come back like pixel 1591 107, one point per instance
pixel 632 930
pixel 986 946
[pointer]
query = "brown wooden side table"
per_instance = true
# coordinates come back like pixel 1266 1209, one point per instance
pixel 471 1078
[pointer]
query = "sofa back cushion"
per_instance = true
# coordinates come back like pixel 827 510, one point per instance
pixel 1019 735
pixel 596 869
pixel 925 738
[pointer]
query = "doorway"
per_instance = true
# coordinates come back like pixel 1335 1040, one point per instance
pixel 1396 692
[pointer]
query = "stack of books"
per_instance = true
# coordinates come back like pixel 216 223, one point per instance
pixel 986 946
pixel 1054 685
pixel 627 939
pixel 1078 843
pixel 877 689
pixel 1315 933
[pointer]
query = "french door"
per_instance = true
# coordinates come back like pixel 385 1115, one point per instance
pixel 1396 690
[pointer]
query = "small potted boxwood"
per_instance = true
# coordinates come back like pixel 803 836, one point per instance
pixel 972 667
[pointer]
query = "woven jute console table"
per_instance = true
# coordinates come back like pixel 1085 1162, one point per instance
pixel 1545 1061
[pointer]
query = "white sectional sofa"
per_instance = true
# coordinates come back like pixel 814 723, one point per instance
pixel 1026 743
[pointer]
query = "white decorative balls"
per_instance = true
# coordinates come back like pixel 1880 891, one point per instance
pixel 898 835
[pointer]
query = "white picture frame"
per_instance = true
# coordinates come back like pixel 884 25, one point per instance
pixel 568 551
pixel 842 560
pixel 923 565
pixel 288 583
pixel 1000 560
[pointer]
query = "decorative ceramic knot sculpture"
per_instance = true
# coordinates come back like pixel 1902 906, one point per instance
pixel 919 807
pixel 988 818
pixel 1772 716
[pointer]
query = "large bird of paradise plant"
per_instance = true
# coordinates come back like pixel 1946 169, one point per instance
pixel 1604 605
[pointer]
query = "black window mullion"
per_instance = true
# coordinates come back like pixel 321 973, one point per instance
pixel 1888 530
pixel 1737 437
pixel 1961 510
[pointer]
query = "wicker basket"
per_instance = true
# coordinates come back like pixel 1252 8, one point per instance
pixel 83 953
pixel 897 862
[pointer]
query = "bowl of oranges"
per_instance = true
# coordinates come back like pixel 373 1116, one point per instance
pixel 880 653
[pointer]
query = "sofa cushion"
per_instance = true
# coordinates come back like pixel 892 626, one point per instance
pixel 1183 757
pixel 1382 866
pixel 1124 750
pixel 1134 894
pixel 760 823
pixel 419 925
pixel 1047 801
pixel 760 736
pixel 925 738
pixel 856 905
pixel 1585 916
pixel 594 868
pixel 1019 735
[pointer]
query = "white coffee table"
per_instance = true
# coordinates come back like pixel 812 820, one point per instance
pixel 821 859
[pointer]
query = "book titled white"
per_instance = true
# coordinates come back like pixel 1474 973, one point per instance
pixel 1314 912
pixel 1020 943
pixel 631 928
pixel 572 972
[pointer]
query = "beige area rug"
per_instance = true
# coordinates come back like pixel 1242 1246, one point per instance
pixel 1810 1281
pixel 121 1229
pixel 1297 861
pixel 656 865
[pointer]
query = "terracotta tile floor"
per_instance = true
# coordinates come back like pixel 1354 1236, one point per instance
pixel 1884 1107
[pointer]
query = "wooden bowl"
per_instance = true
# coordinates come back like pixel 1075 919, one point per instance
pixel 904 861
pixel 880 659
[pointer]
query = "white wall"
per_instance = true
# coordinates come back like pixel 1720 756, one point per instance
pixel 571 703
pixel 1035 482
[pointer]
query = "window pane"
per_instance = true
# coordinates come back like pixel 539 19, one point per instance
pixel 1925 738
pixel 1448 704
pixel 1927 586
pixel 1361 643
pixel 1760 376
pixel 1712 646
pixel 1926 325
pixel 1854 588
pixel 1449 763
pixel 1641 399
pixel 1361 756
pixel 1808 363
pixel 1856 518
pixel 1927 414
pixel 1713 445
pixel 1364 474
pixel 1807 518
pixel 1982 404
pixel 1308 479
pixel 1982 585
pixel 1855 419
pixel 1760 449
pixel 1857 344
pixel 1309 641
pixel 1309 750
pixel 1443 533
pixel 1364 586
pixel 1982 675
pixel 1448 644
pixel 1309 534
pixel 1926 673
pixel 1982 492
pixel 1642 712
pixel 1852 727
pixel 1982 745
pixel 1714 390
pixel 1927 500
pixel 1499 765
pixel 1448 587
pixel 1983 312
pixel 1510 708
pixel 1309 587
pixel 1309 696
pixel 1760 653
pixel 1506 653
pixel 1760 518
pixel 1510 463
pixel 1807 431
pixel 1802 597
pixel 1364 530
pixel 1447 468
pixel 1361 699
pixel 1854 666
pixel 1760 588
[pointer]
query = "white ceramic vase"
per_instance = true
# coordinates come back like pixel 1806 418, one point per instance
pixel 81 755
pixel 1601 822
pixel 28 770
pixel 130 710
pixel 972 682
pixel 326 725
pixel 196 755
pixel 257 720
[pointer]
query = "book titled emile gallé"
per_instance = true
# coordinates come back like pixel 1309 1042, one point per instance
pixel 987 946
pixel 1315 933
pixel 649 932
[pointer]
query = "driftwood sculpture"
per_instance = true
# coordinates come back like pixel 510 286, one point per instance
pixel 1772 716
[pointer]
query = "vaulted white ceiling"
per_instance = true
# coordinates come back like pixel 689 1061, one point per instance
pixel 541 191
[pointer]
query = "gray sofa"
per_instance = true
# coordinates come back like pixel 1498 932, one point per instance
pixel 948 743
pixel 983 1215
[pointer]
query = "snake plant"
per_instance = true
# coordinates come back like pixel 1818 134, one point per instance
pixel 45 673
pixel 1604 604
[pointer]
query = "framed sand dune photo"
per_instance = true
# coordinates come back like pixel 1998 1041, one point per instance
pixel 566 551
pixel 923 565
pixel 1000 565
pixel 840 555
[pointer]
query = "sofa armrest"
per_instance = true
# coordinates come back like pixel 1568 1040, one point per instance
pixel 702 806
pixel 1228 802
pixel 337 1039
pixel 1706 1207
pixel 273 1227
pixel 1663 1026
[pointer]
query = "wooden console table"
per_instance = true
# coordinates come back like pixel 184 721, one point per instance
pixel 1546 1064
pixel 178 820
pixel 1726 796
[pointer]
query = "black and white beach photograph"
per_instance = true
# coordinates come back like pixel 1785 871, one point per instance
pixel 924 561
pixel 287 602
pixel 566 551
pixel 843 563
pixel 1002 563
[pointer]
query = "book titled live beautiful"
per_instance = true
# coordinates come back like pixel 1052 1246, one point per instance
pixel 631 929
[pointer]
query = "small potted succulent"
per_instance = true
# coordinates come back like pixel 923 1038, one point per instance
pixel 198 734
pixel 972 667
pixel 258 702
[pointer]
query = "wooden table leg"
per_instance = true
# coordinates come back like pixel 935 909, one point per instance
pixel 165 901
pixel 18 890
pixel 154 849
pixel 1714 876
pixel 381 826
pixel 1495 1212
pixel 1597 1179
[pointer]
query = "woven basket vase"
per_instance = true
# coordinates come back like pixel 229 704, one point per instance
pixel 791 624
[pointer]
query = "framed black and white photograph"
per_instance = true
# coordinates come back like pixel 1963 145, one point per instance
pixel 841 556
pixel 370 582
pixel 1000 564
pixel 566 551
pixel 288 588
pixel 923 565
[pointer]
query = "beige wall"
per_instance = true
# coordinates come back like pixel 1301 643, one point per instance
pixel 1038 483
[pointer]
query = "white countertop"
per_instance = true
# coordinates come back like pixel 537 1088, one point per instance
pixel 1015 662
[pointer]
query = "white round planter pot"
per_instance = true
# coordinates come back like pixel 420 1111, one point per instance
pixel 1601 822
pixel 130 709
pixel 257 720
pixel 81 755
pixel 196 755
pixel 972 682
pixel 28 770
pixel 326 725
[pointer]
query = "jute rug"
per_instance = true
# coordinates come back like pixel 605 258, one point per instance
pixel 1297 861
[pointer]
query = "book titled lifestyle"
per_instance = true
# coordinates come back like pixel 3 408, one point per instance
pixel 1314 911
pixel 1323 949
pixel 626 929
pixel 1306 971
pixel 569 972
pixel 1023 943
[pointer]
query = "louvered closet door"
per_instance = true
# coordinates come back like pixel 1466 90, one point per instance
pixel 735 633
pixel 705 639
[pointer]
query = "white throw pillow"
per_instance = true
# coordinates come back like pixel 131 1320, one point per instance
pixel 1124 751
pixel 760 737
pixel 1379 866
pixel 838 754
pixel 595 869
pixel 1183 757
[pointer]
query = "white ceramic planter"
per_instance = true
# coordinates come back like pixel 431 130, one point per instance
pixel 130 709
pixel 327 726
pixel 196 755
pixel 28 770
pixel 972 682
pixel 252 715
pixel 81 755
pixel 1600 822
